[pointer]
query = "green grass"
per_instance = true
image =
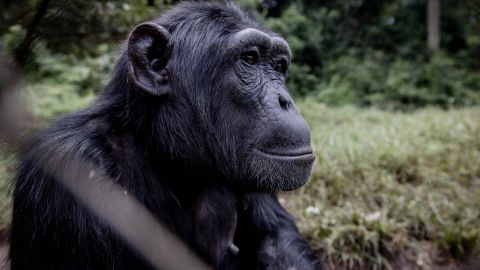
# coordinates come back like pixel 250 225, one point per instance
pixel 6 165
pixel 384 185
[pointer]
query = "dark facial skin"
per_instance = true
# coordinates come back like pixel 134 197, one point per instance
pixel 276 139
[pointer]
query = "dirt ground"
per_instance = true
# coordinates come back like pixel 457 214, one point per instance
pixel 431 259
pixel 400 264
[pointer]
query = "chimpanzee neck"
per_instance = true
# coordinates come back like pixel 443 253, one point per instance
pixel 208 207
pixel 192 201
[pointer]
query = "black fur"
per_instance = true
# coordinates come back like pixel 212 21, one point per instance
pixel 186 145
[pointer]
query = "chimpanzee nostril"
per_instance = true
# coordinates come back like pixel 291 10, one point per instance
pixel 284 103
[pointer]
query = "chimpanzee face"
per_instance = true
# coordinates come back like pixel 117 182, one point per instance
pixel 275 140
pixel 235 86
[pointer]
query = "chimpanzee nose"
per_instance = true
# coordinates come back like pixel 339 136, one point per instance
pixel 285 102
pixel 291 129
pixel 288 133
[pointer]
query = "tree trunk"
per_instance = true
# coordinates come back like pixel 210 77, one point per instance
pixel 433 24
pixel 22 52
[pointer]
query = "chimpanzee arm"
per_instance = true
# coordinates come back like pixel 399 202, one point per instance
pixel 51 229
pixel 268 238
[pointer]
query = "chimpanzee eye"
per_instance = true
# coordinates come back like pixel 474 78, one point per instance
pixel 250 58
pixel 281 66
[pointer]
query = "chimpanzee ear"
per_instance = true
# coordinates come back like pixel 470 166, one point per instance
pixel 148 55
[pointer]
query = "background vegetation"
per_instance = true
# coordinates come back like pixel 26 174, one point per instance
pixel 395 121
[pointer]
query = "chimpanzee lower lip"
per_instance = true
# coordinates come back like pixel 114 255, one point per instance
pixel 297 154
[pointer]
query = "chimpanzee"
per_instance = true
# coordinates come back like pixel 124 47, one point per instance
pixel 197 123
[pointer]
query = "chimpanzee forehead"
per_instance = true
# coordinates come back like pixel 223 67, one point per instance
pixel 255 37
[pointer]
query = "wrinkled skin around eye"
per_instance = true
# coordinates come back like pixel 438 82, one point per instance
pixel 273 137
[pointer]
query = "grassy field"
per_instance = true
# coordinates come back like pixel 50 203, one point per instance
pixel 388 188
pixel 6 164
pixel 392 188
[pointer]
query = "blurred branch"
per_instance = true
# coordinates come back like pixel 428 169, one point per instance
pixel 23 50
pixel 475 4
pixel 11 105
pixel 433 24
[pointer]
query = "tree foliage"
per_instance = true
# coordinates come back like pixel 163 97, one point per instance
pixel 354 51
pixel 375 52
pixel 68 26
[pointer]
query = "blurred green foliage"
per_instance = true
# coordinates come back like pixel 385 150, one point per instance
pixel 354 51
pixel 375 53
pixel 374 80
pixel 72 27
pixel 64 83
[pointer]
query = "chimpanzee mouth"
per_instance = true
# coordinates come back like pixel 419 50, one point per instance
pixel 302 153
